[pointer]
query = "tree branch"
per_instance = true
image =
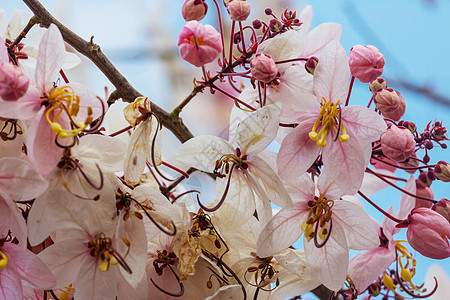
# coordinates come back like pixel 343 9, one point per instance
pixel 123 87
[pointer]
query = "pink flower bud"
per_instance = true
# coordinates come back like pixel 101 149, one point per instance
pixel 428 233
pixel 411 163
pixel 199 44
pixel 311 64
pixel 263 68
pixel 398 143
pixel 426 192
pixel 397 113
pixel 239 10
pixel 386 100
pixel 377 84
pixel 442 171
pixel 13 83
pixel 194 10
pixel 442 207
pixel 366 62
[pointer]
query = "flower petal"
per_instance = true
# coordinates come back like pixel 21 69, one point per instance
pixel 363 122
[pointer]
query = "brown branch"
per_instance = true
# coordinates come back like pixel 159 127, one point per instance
pixel 93 52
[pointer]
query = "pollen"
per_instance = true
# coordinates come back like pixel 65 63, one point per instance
pixel 328 120
pixel 3 261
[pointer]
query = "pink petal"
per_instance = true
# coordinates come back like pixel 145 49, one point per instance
pixel 10 285
pixel 332 75
pixel 12 219
pixel 297 152
pixel 51 58
pixel 319 37
pixel 91 283
pixel 281 232
pixel 363 122
pixel 364 268
pixel 41 147
pixel 24 108
pixel 30 268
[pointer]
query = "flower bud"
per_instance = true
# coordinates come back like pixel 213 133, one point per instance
pixel 410 126
pixel 399 111
pixel 268 11
pixel 442 207
pixel 442 171
pixel 428 233
pixel 13 83
pixel 425 192
pixel 194 10
pixel 239 10
pixel 275 25
pixel 311 64
pixel 386 100
pixel 398 143
pixel 411 162
pixel 257 24
pixel 366 62
pixel 199 44
pixel 424 180
pixel 377 84
pixel 263 68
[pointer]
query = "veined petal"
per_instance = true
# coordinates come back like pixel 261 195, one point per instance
pixel 259 129
pixel 71 60
pixel 88 99
pixel 407 203
pixel 345 164
pixel 51 58
pixel 360 231
pixel 91 283
pixel 297 152
pixel 12 219
pixel 329 263
pixel 281 232
pixel 269 181
pixel 295 262
pixel 319 37
pixel 364 268
pixel 24 108
pixel 332 74
pixel 306 16
pixel 4 58
pixel 29 266
pixel 363 122
pixel 301 189
pixel 202 152
pixel 10 285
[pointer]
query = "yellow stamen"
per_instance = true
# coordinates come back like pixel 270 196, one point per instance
pixel 3 261
pixel 103 266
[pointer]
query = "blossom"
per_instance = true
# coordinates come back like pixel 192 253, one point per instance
pixel 199 44
pixel 239 10
pixel 246 172
pixel 331 227
pixel 13 83
pixel 58 112
pixel 341 134
pixel 398 143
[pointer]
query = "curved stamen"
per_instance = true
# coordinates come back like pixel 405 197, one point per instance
pixel 87 178
pixel 153 149
pixel 122 262
pixel 225 192
pixel 160 227
pixel 182 194
pixel 98 122
pixel 75 141
pixel 66 186
pixel 316 242
pixel 179 294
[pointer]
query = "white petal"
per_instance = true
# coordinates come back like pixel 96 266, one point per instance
pixel 407 203
pixel 281 232
pixel 306 16
pixel 227 292
pixel 319 37
pixel 329 263
pixel 360 231
pixel 71 61
pixel 372 184
pixel 260 128
pixel 293 287
pixel 332 74
pixel 92 283
pixel 202 152
pixel 295 262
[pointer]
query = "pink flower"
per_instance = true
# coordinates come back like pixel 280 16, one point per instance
pixel 398 143
pixel 194 10
pixel 345 155
pixel 428 233
pixel 386 100
pixel 366 62
pixel 13 83
pixel 239 10
pixel 199 44
pixel 263 68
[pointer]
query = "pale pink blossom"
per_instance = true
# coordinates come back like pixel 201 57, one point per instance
pixel 399 111
pixel 345 155
pixel 239 10
pixel 386 100
pixel 366 62
pixel 263 68
pixel 13 83
pixel 199 44
pixel 344 225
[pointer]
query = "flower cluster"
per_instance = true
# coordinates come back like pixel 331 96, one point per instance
pixel 88 214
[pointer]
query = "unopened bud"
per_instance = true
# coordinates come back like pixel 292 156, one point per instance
pixel 257 24
pixel 366 62
pixel 442 171
pixel 268 11
pixel 239 10
pixel 374 289
pixel 275 25
pixel 377 84
pixel 411 162
pixel 425 192
pixel 423 180
pixel 397 143
pixel 410 126
pixel 386 100
pixel 263 68
pixel 194 10
pixel 399 111
pixel 311 64
pixel 13 83
pixel 442 207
